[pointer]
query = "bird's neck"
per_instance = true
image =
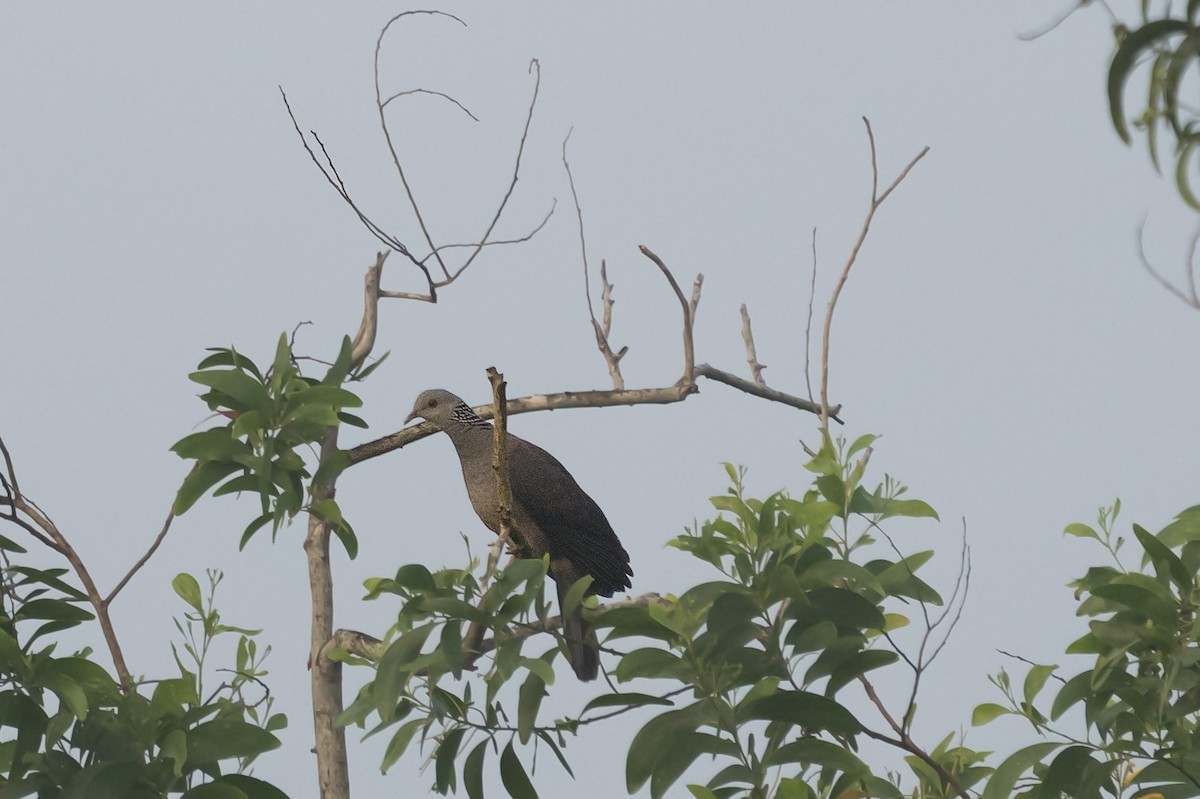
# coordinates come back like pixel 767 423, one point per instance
pixel 463 416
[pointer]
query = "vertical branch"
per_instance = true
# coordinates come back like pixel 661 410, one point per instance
pixel 756 368
pixel 689 350
pixel 812 294
pixel 876 201
pixel 601 331
pixel 333 774
pixel 45 530
pixel 500 453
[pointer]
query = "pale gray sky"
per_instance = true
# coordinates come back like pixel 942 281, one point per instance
pixel 998 331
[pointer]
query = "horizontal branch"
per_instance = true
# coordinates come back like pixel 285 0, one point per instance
pixel 742 384
pixel 540 402
pixel 368 647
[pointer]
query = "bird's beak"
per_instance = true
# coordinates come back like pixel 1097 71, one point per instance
pixel 410 417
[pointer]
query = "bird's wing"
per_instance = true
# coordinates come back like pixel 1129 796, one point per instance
pixel 571 520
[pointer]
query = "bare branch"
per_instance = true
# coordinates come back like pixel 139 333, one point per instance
pixel 536 68
pixel 741 384
pixel 689 350
pixel 443 95
pixel 812 294
pixel 903 741
pixel 876 200
pixel 39 524
pixel 333 775
pixel 756 368
pixel 143 559
pixel 381 106
pixel 364 339
pixel 601 331
pixel 1190 296
pixel 500 452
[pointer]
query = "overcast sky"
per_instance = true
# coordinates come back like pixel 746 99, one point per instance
pixel 998 331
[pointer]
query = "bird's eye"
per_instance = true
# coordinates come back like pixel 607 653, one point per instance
pixel 433 403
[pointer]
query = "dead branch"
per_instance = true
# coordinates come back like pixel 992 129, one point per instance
pixel 741 384
pixel 876 201
pixel 689 349
pixel 325 164
pixel 371 648
pixel 24 513
pixel 756 368
pixel 500 457
pixel 142 560
pixel 1190 297
pixel 906 743
pixel 333 775
pixel 812 294
pixel 611 359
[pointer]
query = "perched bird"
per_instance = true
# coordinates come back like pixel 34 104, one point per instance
pixel 550 513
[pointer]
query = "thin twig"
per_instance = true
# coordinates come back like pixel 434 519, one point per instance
pixel 876 201
pixel 51 536
pixel 611 359
pixel 536 68
pixel 812 294
pixel 1190 296
pixel 906 743
pixel 142 560
pixel 689 353
pixel 756 368
pixel 381 107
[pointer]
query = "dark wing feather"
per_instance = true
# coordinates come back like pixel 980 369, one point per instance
pixel 571 520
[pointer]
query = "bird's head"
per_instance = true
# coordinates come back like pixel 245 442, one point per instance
pixel 435 405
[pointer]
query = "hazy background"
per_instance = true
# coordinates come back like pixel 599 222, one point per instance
pixel 998 331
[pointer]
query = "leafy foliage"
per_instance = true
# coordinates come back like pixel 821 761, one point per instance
pixel 68 730
pixel 275 415
pixel 1140 699
pixel 1168 46
pixel 793 616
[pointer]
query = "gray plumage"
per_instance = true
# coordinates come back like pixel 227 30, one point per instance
pixel 550 514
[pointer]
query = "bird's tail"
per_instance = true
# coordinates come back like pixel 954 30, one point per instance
pixel 583 648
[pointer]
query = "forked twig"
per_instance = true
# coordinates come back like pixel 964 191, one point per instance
pixel 877 200
pixel 1190 296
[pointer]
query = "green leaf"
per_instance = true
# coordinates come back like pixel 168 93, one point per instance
pixel 513 775
pixel 650 662
pixel 1000 785
pixel 215 444
pixel 445 778
pixel 681 754
pixel 530 700
pixel 1124 60
pixel 199 480
pixel 624 700
pixel 1035 680
pixel 188 590
pixel 473 770
pixel 1081 531
pixel 1164 559
pixel 214 790
pixel 240 390
pixel 652 742
pixel 341 367
pixel 221 739
pixel 823 753
pixel 394 669
pixel 857 664
pixel 55 609
pixel 806 710
pixel 223 356
pixel 400 742
pixel 987 712
pixel 251 787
